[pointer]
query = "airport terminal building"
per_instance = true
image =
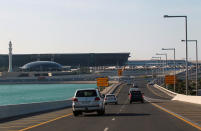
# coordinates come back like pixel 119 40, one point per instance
pixel 79 60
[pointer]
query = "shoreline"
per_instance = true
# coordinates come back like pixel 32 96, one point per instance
pixel 49 82
pixel 54 82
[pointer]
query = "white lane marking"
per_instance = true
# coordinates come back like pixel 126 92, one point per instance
pixel 106 129
pixel 155 100
pixel 113 119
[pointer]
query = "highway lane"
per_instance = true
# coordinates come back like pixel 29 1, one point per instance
pixel 122 117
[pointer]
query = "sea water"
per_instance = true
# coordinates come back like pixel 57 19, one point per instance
pixel 32 93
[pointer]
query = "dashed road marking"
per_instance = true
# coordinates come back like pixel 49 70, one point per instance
pixel 113 119
pixel 106 129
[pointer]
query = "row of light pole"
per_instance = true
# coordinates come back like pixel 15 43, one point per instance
pixel 166 63
pixel 174 65
pixel 196 73
pixel 159 63
pixel 167 16
pixel 186 41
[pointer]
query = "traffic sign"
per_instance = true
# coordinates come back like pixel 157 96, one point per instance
pixel 102 82
pixel 120 72
pixel 169 79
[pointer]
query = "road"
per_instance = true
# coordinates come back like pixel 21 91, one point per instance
pixel 121 117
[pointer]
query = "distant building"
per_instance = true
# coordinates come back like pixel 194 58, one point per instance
pixel 41 66
pixel 145 63
pixel 77 60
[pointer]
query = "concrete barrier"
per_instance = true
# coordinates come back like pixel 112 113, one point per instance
pixel 180 97
pixel 24 109
pixel 187 98
pixel 111 89
pixel 168 92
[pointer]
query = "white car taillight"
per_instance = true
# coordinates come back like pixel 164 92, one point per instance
pixel 75 99
pixel 97 99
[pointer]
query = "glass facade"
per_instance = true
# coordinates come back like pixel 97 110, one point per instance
pixel 42 66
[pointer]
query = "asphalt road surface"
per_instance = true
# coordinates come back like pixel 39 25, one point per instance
pixel 121 117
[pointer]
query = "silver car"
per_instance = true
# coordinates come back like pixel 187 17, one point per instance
pixel 87 100
pixel 110 98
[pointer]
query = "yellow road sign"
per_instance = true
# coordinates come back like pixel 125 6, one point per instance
pixel 102 82
pixel 102 78
pixel 169 79
pixel 120 72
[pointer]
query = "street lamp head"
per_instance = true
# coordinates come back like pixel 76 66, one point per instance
pixel 183 40
pixel 161 54
pixel 168 48
pixel 156 57
pixel 165 16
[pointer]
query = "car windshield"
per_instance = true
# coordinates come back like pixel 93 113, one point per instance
pixel 86 93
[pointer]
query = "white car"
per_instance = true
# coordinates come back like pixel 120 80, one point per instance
pixel 87 100
pixel 110 98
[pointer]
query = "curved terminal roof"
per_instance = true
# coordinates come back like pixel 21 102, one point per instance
pixel 42 66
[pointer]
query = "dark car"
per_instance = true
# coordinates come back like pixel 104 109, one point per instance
pixel 135 96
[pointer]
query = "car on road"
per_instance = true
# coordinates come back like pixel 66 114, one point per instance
pixel 135 96
pixel 110 98
pixel 151 83
pixel 134 86
pixel 133 89
pixel 87 100
pixel 129 82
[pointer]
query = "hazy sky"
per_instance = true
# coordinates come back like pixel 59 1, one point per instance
pixel 99 26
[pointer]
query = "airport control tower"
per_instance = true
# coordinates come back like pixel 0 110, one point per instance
pixel 10 57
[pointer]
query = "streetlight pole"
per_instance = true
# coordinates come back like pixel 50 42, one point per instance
pixel 167 16
pixel 174 65
pixel 196 76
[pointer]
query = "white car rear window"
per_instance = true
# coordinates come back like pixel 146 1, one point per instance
pixel 86 93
